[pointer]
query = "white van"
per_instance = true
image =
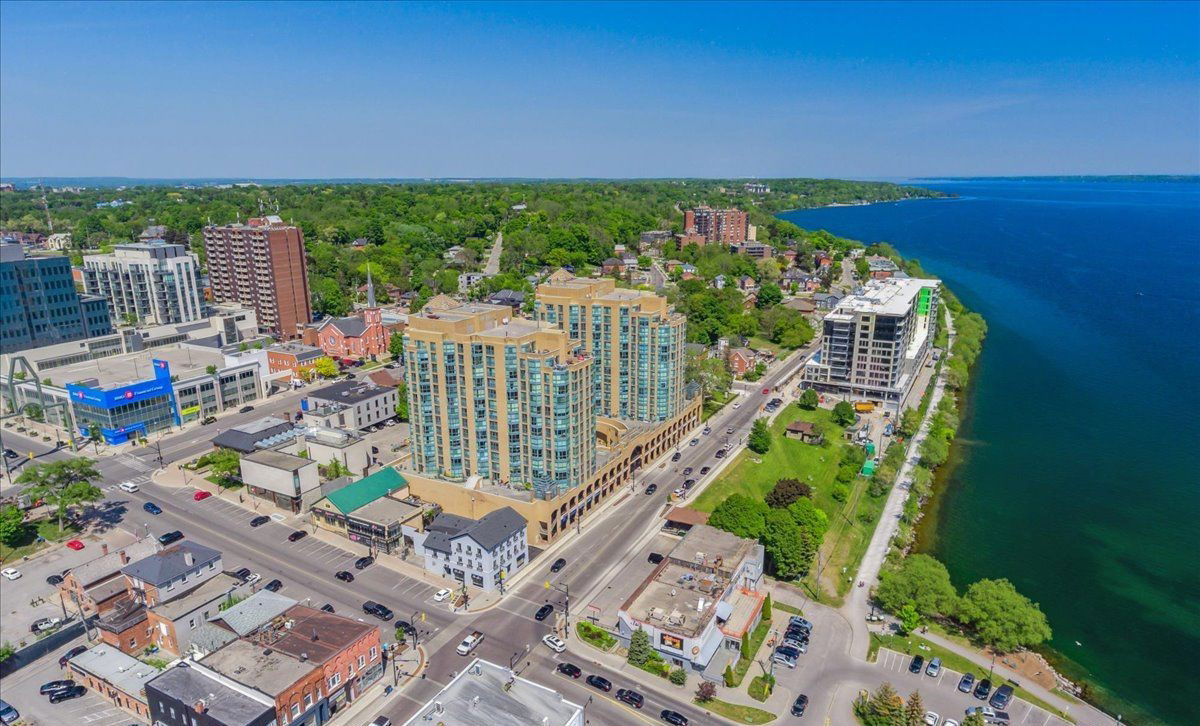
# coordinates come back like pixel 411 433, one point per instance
pixel 129 486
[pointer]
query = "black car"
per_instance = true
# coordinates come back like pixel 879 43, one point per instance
pixel 297 535
pixel 687 470
pixel 170 537
pixel 54 579
pixel 799 705
pixel 344 575
pixel 67 694
pixel 689 483
pixel 569 669
pixel 652 488
pixel 260 520
pixel 1001 697
pixel 597 682
pixel 406 626
pixel 274 585
pixel 152 508
pixel 363 563
pixel 245 409
pixel 327 607
pixel 675 456
pixel 704 470
pixel 243 574
pixel 633 698
pixel 982 689
pixel 655 558
pixel 62 661
pixel 207 420
pixel 915 666
pixel 966 682
pixel 558 565
pixel 543 612
pixel 720 455
pixel 382 612
pixel 10 454
pixel 673 717
pixel 56 686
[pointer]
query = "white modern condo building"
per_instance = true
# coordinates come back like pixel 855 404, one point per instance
pixel 151 282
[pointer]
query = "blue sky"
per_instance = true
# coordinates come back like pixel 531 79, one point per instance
pixel 611 90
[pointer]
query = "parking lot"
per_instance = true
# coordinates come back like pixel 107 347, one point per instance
pixel 942 696
pixel 21 690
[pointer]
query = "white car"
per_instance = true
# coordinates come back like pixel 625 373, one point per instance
pixel 932 719
pixel 737 404
pixel 554 643
pixel 253 578
pixel 10 573
pixel 128 486
pixel 950 722
pixel 441 595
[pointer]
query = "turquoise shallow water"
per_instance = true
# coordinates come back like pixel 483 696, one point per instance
pixel 1077 477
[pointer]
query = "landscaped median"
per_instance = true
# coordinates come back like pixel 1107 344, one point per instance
pixel 595 636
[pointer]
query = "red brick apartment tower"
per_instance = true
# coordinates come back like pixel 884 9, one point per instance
pixel 724 226
pixel 261 264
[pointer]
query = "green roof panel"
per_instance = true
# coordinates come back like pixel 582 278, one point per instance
pixel 366 490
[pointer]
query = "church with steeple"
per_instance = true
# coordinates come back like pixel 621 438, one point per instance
pixel 361 336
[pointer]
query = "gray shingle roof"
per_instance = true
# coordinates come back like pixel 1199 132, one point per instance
pixel 162 567
pixel 244 439
pixel 489 531
pixel 254 612
pixel 352 327
pixel 224 704
pixel 106 566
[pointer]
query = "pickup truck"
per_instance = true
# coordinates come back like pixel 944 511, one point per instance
pixel 470 643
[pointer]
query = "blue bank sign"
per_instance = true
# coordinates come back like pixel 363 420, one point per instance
pixel 111 398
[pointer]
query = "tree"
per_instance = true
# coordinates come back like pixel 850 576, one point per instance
pixel 920 580
pixel 12 524
pixel 910 421
pixel 1002 617
pixel 769 295
pixel 914 710
pixel 335 468
pixel 861 267
pixel 224 464
pixel 934 451
pixel 402 402
pixel 325 367
pixel 34 412
pixel 6 651
pixel 843 413
pixel 766 608
pixel 910 619
pixel 728 676
pixel 95 435
pixel 639 648
pixel 396 345
pixel 741 515
pixel 974 719
pixel 886 704
pixel 789 549
pixel 707 691
pixel 785 492
pixel 62 484
pixel 678 676
pixel 760 437
pixel 210 370
pixel 809 517
pixel 810 399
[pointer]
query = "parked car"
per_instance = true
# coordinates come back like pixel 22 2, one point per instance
pixel 170 537
pixel 689 484
pixel 41 625
pixel 934 668
pixel 599 682
pixel 917 663
pixel 558 565
pixel 687 470
pixel 673 717
pixel 554 643
pixel 8 714
pixel 253 579
pixel 543 612
pixel 720 453
pixel 800 622
pixel 128 486
pixel 75 545
pixel 152 508
pixel 67 694
pixel 327 607
pixel 297 535
pixel 381 721
pixel 242 574
pixel 51 686
pixel 985 711
pixel 786 656
pixel 260 520
pixel 274 585
pixel 207 420
pixel 245 409
pixel 966 682
pixel 633 698
pixel 442 595
pixel 344 575
pixel 66 657
pixel 569 669
pixel 655 558
pixel 1001 697
pixel 201 496
pixel 932 719
pixel 363 563
pixel 704 470
pixel 982 689
pixel 11 573
pixel 675 456
pixel 54 580
pixel 799 705
pixel 382 612
pixel 652 488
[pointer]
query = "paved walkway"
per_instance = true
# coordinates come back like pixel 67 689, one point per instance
pixel 493 264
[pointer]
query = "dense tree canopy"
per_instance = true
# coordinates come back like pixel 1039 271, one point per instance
pixel 920 580
pixel 1003 617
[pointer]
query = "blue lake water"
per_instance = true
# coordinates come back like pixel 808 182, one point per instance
pixel 1076 475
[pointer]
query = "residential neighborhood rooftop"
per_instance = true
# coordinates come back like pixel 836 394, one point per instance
pixel 168 564
pixel 255 611
pixel 106 566
pixel 211 588
pixel 124 672
pixel 265 669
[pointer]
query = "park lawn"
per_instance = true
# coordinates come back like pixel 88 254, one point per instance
pixel 714 402
pixel 737 712
pixel 845 544
pixel 916 645
pixel 815 465
pixel 756 343
pixel 47 529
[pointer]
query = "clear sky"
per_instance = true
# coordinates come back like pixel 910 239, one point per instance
pixel 609 90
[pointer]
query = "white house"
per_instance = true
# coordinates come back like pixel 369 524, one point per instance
pixel 480 552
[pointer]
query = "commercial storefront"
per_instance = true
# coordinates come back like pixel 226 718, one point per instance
pixel 127 411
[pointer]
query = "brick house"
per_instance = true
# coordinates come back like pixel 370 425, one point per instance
pixel 358 336
pixel 116 677
pixel 96 585
pixel 612 266
pixel 349 652
pixel 741 360
pixel 294 357
pixel 821 258
pixel 296 686
pixel 881 268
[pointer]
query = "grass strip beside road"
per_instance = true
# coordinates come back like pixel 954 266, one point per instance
pixel 761 687
pixel 28 542
pixel 786 608
pixel 737 712
pixel 916 645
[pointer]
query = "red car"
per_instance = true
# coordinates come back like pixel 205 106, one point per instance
pixel 75 544
pixel 766 391
pixel 200 495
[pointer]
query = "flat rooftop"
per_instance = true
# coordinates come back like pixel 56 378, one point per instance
pixel 705 546
pixel 277 460
pixel 318 635
pixel 124 672
pixel 349 392
pixel 891 296
pixel 677 599
pixel 119 370
pixel 264 669
pixel 386 509
pixel 476 697
pixel 224 703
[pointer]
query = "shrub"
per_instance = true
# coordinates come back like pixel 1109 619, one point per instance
pixel 728 677
pixel 787 491
pixel 840 492
pixel 706 692
pixel 679 677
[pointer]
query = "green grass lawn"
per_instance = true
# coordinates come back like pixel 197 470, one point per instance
pixel 714 402
pixel 756 343
pixel 28 543
pixel 736 712
pixel 815 465
pixel 743 664
pixel 595 636
pixel 916 645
